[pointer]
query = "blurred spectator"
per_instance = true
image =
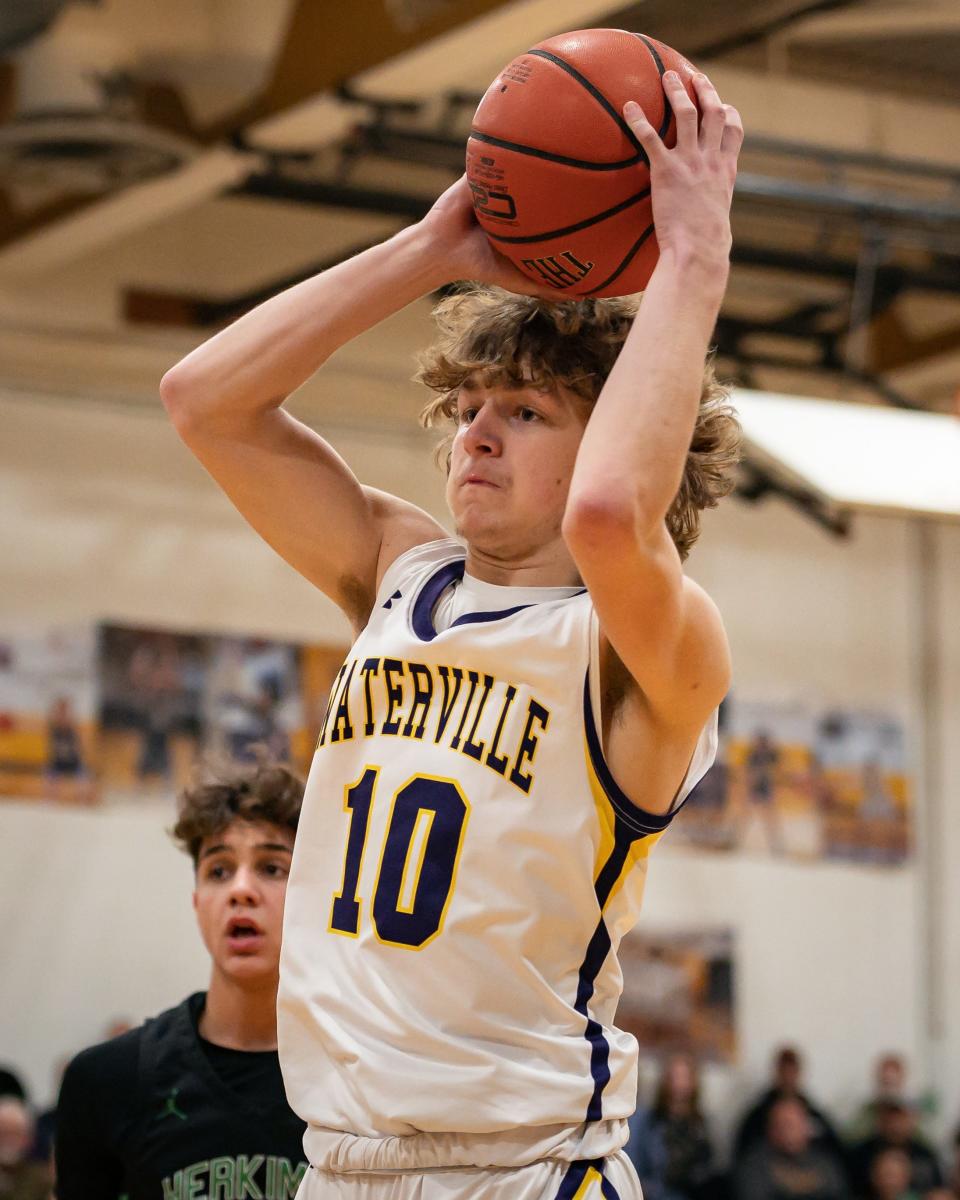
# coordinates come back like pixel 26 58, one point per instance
pixel 890 1176
pixel 786 1165
pixel 669 1143
pixel 896 1130
pixel 762 767
pixel 20 1179
pixel 65 773
pixel 889 1083
pixel 787 1080
pixel 155 674
pixel 954 1180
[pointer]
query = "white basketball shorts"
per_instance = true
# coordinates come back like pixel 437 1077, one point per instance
pixel 611 1178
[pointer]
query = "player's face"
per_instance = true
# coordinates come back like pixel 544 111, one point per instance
pixel 511 464
pixel 241 885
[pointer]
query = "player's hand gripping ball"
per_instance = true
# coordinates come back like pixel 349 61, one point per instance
pixel 560 180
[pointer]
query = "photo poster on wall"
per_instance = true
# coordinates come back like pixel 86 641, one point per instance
pixel 174 703
pixel 112 712
pixel 678 992
pixel 48 711
pixel 151 685
pixel 804 783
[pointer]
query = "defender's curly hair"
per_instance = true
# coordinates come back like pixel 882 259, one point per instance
pixel 266 792
pixel 505 338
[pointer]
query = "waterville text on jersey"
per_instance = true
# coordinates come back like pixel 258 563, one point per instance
pixel 469 712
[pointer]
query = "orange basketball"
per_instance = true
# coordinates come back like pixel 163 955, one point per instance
pixel 560 182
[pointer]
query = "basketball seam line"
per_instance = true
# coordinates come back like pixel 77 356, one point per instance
pixel 555 233
pixel 667 107
pixel 579 163
pixel 596 94
pixel 628 258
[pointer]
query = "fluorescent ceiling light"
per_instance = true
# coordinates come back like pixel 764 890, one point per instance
pixel 854 455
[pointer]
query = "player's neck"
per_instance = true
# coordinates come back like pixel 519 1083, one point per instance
pixel 240 1017
pixel 548 566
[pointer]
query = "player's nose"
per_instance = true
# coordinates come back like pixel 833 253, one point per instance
pixel 243 886
pixel 482 435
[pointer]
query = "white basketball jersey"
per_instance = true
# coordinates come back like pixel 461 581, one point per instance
pixel 464 870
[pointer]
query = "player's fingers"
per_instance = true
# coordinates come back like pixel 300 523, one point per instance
pixel 732 131
pixel 644 132
pixel 684 109
pixel 712 113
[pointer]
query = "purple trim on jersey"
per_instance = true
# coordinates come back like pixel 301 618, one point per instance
pixel 630 824
pixel 426 601
pixel 636 819
pixel 596 954
pixel 572 1180
pixel 473 618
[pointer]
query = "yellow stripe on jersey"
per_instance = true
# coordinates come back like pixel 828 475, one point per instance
pixel 640 847
pixel 592 1176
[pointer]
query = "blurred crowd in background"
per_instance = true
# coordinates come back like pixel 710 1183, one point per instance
pixel 785 1146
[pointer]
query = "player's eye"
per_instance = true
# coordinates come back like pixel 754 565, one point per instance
pixel 217 871
pixel 274 870
pixel 529 414
pixel 467 415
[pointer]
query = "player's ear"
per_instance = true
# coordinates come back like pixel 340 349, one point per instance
pixel 193 899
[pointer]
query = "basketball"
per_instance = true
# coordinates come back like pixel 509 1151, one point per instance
pixel 560 182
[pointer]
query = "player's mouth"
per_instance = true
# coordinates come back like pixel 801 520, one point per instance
pixel 474 480
pixel 244 935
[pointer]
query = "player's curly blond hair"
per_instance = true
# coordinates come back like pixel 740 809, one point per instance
pixel 519 339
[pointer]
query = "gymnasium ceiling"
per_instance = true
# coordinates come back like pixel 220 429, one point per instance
pixel 162 167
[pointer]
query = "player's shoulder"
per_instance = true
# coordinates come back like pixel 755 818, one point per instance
pixel 107 1068
pixel 401 525
pixel 116 1061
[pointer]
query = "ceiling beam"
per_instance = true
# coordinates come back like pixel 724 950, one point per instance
pixel 302 114
pixel 94 225
pixel 920 18
pixel 327 43
pixel 781 24
pixel 893 346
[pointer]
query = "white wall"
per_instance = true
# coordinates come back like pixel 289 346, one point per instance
pixel 114 519
pixel 828 955
pixel 97 924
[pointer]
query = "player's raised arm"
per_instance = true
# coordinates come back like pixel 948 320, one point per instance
pixel 632 459
pixel 225 400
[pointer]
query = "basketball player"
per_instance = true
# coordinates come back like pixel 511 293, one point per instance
pixel 524 708
pixel 192 1102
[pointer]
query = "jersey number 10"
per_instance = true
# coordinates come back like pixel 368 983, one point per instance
pixel 418 859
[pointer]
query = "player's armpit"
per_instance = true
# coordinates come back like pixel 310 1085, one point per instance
pixel 663 627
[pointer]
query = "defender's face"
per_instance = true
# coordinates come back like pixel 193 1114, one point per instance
pixel 241 885
pixel 511 464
